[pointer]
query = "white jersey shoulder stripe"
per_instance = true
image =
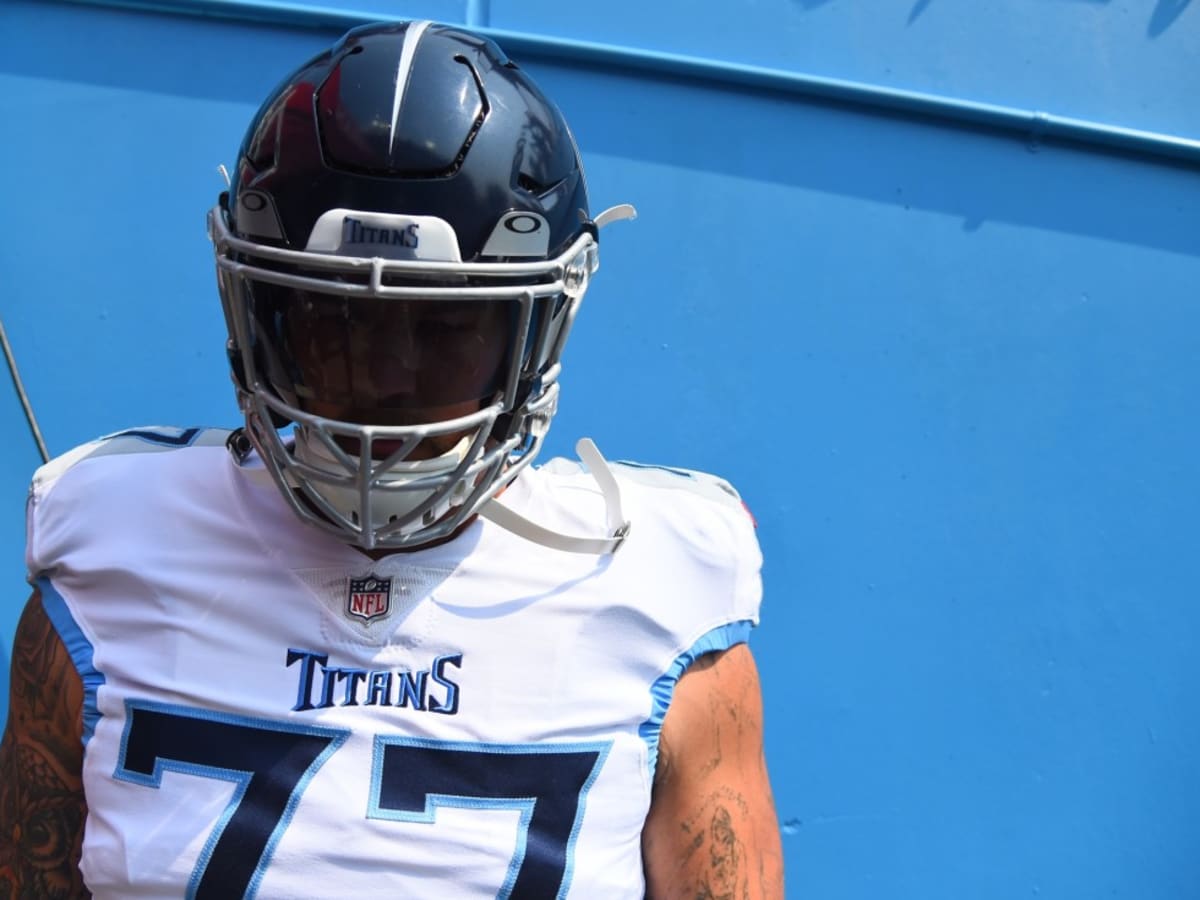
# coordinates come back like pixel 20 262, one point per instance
pixel 703 484
pixel 147 439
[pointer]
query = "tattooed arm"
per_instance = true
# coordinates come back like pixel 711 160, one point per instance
pixel 712 833
pixel 42 808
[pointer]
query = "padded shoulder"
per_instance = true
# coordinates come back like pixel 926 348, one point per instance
pixel 666 478
pixel 148 439
pixel 711 487
pixel 72 499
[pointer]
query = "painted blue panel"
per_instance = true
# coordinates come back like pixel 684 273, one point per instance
pixel 954 375
pixel 1125 62
pixel 435 10
pixel 1081 60
pixel 1130 62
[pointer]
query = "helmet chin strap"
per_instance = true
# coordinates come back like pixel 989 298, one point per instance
pixel 618 526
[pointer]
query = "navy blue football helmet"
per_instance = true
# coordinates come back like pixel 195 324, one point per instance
pixel 400 256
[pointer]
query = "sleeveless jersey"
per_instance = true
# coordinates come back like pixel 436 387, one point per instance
pixel 271 713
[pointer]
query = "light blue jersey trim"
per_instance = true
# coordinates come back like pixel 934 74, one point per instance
pixel 721 638
pixel 79 648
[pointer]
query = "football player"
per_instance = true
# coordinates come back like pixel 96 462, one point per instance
pixel 360 647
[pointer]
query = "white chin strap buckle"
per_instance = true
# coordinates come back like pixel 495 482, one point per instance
pixel 618 525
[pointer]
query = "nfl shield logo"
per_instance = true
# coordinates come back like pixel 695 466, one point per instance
pixel 369 598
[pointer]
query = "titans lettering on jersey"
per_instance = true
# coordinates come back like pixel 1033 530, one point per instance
pixel 320 685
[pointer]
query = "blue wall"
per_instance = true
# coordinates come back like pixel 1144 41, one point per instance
pixel 953 368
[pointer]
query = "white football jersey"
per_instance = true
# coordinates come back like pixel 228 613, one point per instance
pixel 271 713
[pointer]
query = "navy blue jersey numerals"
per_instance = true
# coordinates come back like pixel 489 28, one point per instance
pixel 547 783
pixel 271 764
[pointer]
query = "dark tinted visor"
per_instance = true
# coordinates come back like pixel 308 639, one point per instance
pixel 380 360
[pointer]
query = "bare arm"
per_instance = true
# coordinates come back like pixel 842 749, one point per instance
pixel 712 832
pixel 42 807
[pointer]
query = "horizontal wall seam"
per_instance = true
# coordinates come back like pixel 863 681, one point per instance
pixel 1032 125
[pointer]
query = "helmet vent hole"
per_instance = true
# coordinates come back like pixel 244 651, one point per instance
pixel 484 109
pixel 529 183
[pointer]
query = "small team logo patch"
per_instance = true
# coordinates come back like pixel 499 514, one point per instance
pixel 369 598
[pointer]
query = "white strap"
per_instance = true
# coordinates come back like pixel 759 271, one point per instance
pixel 598 466
pixel 615 214
pixel 506 518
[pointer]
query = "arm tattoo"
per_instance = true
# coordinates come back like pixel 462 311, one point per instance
pixel 42 807
pixel 711 832
pixel 42 848
pixel 42 672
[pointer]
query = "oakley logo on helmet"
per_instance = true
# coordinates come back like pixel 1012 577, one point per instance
pixel 256 215
pixel 354 231
pixel 519 234
pixel 523 223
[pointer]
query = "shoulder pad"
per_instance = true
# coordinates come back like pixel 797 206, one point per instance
pixel 708 486
pixel 156 438
pixel 150 439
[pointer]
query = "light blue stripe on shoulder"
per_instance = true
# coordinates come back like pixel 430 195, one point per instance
pixel 79 648
pixel 721 638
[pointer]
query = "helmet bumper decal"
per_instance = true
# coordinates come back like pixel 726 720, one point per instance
pixel 348 232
